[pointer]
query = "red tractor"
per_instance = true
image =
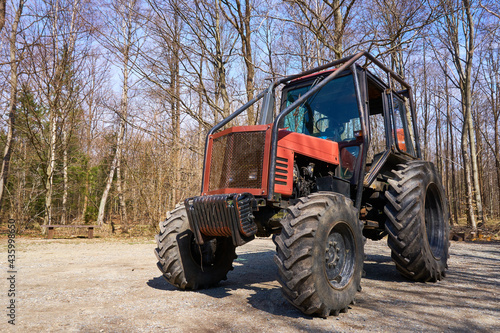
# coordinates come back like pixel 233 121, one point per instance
pixel 339 162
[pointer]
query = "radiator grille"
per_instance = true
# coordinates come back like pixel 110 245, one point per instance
pixel 237 160
pixel 281 172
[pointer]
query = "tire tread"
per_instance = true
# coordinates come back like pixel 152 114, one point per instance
pixel 294 257
pixel 405 215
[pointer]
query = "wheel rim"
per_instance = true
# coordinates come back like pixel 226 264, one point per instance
pixel 434 220
pixel 340 255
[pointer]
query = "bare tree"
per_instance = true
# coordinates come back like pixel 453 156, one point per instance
pixel 326 20
pixel 95 96
pixel 54 74
pixel 489 8
pixel 2 13
pixel 53 117
pixel 450 143
pixel 75 11
pixel 240 19
pixel 491 89
pixel 458 15
pixel 191 63
pixel 121 42
pixel 14 62
pixel 205 48
pixel 394 26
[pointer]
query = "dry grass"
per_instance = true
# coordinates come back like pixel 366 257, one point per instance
pixel 486 232
pixel 489 231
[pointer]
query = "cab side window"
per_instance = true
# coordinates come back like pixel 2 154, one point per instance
pixel 378 142
pixel 402 120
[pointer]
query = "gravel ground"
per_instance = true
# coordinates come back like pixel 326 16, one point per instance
pixel 98 285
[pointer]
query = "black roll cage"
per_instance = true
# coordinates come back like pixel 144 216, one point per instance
pixel 347 63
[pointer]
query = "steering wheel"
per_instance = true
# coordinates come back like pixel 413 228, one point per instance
pixel 335 129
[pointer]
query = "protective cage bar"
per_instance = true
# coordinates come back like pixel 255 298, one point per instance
pixel 346 63
pixel 222 215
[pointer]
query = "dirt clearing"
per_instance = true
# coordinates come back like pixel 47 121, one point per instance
pixel 98 285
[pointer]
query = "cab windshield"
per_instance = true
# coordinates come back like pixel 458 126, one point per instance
pixel 331 113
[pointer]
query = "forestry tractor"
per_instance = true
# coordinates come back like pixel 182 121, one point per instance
pixel 336 162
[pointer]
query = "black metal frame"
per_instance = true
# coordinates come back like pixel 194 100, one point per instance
pixel 347 63
pixel 230 211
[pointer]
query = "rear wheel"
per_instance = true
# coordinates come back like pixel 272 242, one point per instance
pixel 418 222
pixel 185 264
pixel 320 254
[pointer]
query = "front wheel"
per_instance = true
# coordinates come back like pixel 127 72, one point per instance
pixel 320 254
pixel 185 264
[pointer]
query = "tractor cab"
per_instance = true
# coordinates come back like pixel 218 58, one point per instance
pixel 331 114
pixel 335 113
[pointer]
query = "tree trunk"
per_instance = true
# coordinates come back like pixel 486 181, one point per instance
pixel 86 195
pixel 109 181
pixel 87 164
pixel 88 129
pixel 481 159
pixel 50 168
pixel 497 150
pixel 65 176
pixel 247 53
pixel 4 171
pixel 468 113
pixel 22 185
pixel 3 4
pixel 175 110
pixel 426 111
pixel 220 67
pixel 496 115
pixel 450 141
pixel 241 22
pixel 475 169
pixel 54 105
pixel 339 30
pixel 121 197
pixel 439 161
pixel 67 60
pixel 124 50
pixel 471 218
pixel 455 21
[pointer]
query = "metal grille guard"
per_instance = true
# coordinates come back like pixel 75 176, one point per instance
pixel 226 215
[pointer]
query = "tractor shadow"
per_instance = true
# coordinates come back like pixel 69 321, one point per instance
pixel 249 269
pixel 256 273
pixel 470 285
pixel 160 283
pixel 381 268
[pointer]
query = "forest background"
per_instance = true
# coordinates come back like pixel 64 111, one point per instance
pixel 105 105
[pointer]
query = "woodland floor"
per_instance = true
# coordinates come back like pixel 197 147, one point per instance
pixel 74 284
pixel 487 232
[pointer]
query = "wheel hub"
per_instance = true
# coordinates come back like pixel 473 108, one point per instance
pixel 339 256
pixel 335 256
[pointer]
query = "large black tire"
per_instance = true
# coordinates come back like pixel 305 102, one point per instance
pixel 320 254
pixel 418 222
pixel 185 264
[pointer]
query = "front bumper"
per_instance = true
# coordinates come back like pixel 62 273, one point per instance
pixel 222 215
